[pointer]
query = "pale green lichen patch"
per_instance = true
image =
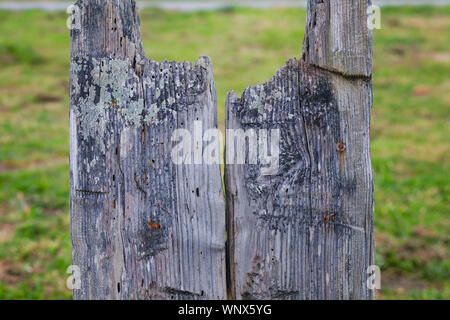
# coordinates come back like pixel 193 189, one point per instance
pixel 102 86
pixel 151 116
pixel 263 97
pixel 106 89
pixel 274 101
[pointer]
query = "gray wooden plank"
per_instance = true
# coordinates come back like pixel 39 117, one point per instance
pixel 306 231
pixel 142 226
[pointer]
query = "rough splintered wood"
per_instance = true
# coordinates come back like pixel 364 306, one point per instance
pixel 337 37
pixel 306 232
pixel 142 227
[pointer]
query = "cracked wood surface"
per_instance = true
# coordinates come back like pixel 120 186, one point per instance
pixel 142 227
pixel 306 232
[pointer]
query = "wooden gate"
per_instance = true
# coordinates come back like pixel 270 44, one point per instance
pixel 148 210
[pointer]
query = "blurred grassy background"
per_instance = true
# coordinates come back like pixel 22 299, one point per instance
pixel 410 132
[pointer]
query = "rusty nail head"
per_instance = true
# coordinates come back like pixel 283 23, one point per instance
pixel 341 146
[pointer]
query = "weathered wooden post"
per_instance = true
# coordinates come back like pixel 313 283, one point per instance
pixel 147 227
pixel 305 231
pixel 142 227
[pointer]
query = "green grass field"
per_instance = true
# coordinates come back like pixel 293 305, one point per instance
pixel 410 133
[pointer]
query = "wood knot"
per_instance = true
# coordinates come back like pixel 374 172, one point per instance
pixel 341 147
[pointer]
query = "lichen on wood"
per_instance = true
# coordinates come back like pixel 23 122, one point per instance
pixel 139 230
pixel 144 227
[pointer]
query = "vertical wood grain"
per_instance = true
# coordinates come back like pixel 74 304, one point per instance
pixel 146 228
pixel 142 227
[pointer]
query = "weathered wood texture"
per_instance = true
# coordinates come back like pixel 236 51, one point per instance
pixel 142 227
pixel 306 232
pixel 337 37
